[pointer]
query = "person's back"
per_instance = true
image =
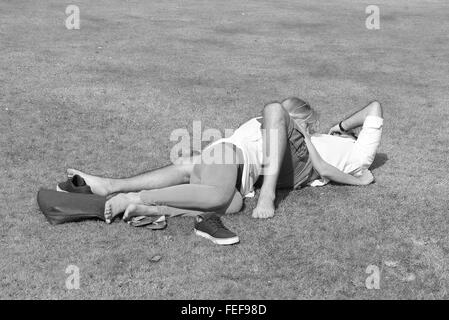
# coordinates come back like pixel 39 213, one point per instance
pixel 336 150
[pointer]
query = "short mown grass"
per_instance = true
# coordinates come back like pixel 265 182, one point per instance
pixel 105 99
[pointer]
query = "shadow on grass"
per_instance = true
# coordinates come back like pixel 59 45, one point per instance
pixel 281 194
pixel 379 161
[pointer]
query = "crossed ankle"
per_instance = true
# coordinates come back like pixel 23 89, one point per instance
pixel 135 197
pixel 144 198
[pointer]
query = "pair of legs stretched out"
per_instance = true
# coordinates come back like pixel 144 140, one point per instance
pixel 188 187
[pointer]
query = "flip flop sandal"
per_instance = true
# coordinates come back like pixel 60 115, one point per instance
pixel 149 222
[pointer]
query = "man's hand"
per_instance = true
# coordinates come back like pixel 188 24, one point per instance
pixel 366 177
pixel 264 208
pixel 335 130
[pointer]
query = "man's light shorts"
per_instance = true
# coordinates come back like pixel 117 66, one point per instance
pixel 368 141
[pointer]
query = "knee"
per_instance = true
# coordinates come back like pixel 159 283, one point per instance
pixel 185 166
pixel 274 111
pixel 375 109
pixel 273 108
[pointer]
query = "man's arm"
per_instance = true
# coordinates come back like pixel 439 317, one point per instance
pixel 356 120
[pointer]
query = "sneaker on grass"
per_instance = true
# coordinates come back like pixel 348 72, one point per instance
pixel 210 227
pixel 76 184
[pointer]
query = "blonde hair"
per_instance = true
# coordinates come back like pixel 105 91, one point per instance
pixel 301 112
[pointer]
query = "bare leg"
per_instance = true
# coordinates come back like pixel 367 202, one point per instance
pixel 214 193
pixel 143 210
pixel 275 118
pixel 175 174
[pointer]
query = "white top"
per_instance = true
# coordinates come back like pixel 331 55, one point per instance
pixel 336 151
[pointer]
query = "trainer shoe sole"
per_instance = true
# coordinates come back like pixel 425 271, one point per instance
pixel 227 241
pixel 59 189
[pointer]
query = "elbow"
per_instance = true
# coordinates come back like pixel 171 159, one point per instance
pixel 375 109
pixel 326 176
pixel 323 172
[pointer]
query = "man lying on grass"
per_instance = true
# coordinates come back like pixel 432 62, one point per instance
pixel 197 186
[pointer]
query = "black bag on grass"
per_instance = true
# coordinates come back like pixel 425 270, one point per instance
pixel 62 207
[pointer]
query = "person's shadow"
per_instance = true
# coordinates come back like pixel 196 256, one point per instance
pixel 281 194
pixel 379 161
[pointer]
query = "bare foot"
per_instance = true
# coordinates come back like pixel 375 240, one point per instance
pixel 118 204
pixel 264 208
pixel 135 210
pixel 98 185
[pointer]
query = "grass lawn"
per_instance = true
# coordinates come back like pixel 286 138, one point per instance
pixel 105 98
